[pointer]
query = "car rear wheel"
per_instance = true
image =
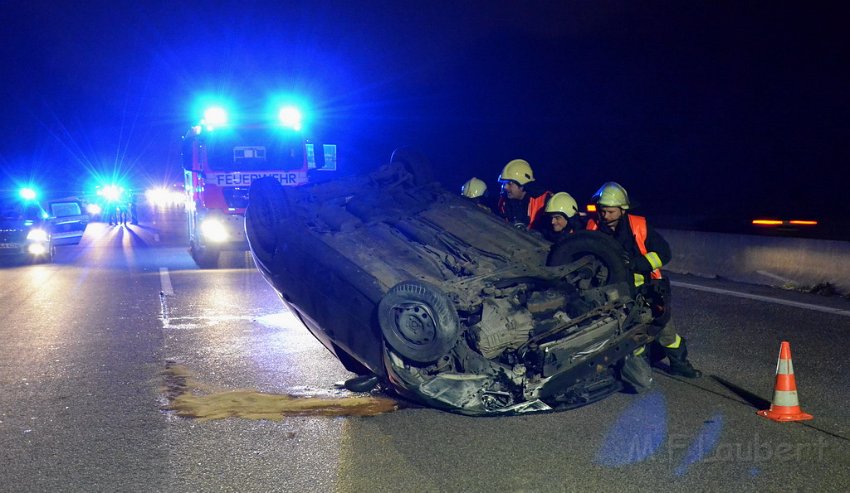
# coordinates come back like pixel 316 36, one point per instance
pixel 607 265
pixel 418 321
pixel 268 207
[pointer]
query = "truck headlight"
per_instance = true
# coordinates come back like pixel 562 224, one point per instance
pixel 214 230
pixel 37 235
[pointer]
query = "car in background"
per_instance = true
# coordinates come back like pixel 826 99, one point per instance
pixel 68 220
pixel 25 234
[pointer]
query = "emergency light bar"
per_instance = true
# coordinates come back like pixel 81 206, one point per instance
pixel 111 192
pixel 28 194
pixel 290 117
pixel 214 116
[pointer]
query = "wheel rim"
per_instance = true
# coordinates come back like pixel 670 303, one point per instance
pixel 596 272
pixel 414 323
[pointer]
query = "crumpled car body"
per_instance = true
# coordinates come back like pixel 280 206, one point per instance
pixel 445 303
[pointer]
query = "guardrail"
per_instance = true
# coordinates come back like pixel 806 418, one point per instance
pixel 774 261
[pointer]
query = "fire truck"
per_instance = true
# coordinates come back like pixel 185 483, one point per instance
pixel 223 155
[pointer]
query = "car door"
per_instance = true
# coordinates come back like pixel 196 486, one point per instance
pixel 68 221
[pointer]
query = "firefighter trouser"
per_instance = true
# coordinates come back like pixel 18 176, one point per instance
pixel 668 336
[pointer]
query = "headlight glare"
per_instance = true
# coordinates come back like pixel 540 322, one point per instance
pixel 37 249
pixel 214 230
pixel 37 234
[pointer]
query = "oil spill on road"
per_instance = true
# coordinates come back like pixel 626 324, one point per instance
pixel 192 399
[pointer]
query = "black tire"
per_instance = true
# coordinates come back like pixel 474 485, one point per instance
pixel 610 266
pixel 415 163
pixel 418 321
pixel 268 208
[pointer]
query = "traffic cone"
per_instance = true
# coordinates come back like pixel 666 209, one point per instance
pixel 785 405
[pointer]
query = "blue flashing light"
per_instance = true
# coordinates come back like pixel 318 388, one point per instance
pixel 28 193
pixel 214 116
pixel 111 192
pixel 290 117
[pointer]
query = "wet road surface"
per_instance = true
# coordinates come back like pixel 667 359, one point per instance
pixel 91 343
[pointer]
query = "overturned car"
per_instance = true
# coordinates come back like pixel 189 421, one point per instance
pixel 415 287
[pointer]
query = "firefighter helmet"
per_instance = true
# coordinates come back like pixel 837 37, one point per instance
pixel 517 170
pixel 611 194
pixel 473 188
pixel 562 203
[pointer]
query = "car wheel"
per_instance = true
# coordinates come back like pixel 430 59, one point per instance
pixel 418 321
pixel 608 265
pixel 415 163
pixel 268 207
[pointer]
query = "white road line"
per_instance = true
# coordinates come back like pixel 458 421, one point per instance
pixel 807 306
pixel 156 237
pixel 165 282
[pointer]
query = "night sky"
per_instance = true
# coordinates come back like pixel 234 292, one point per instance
pixel 700 109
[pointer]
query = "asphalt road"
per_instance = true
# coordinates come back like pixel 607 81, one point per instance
pixel 87 339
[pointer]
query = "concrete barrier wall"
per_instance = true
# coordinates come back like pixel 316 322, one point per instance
pixel 774 261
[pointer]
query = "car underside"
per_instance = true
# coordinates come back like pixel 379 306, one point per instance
pixel 442 302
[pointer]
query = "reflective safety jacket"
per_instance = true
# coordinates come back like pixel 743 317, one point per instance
pixel 532 215
pixel 653 256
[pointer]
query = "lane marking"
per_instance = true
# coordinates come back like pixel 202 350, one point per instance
pixel 165 282
pixel 738 294
pixel 156 237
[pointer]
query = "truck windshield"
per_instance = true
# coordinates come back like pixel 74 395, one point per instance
pixel 254 149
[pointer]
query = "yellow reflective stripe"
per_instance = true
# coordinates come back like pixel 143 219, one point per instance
pixel 654 260
pixel 639 351
pixel 639 279
pixel 676 343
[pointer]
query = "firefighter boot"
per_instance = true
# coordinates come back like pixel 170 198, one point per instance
pixel 679 364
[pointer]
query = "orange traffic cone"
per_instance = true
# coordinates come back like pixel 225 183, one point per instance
pixel 785 405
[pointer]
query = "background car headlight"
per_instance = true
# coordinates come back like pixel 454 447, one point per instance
pixel 37 248
pixel 214 230
pixel 37 234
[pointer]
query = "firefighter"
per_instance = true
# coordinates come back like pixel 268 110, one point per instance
pixel 475 190
pixel 647 251
pixel 132 210
pixel 522 198
pixel 562 210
